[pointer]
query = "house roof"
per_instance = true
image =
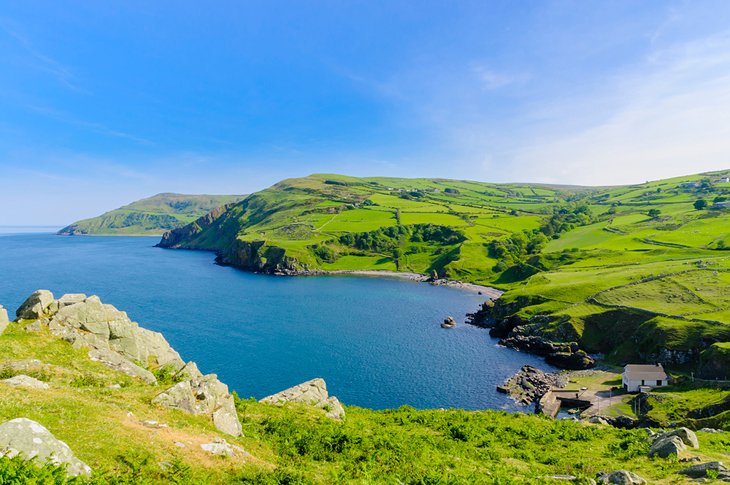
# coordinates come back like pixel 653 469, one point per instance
pixel 645 371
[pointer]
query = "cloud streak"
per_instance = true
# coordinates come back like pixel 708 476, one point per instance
pixel 670 116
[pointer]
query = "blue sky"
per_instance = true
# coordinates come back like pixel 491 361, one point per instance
pixel 102 103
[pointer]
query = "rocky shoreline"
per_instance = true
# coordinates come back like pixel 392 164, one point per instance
pixel 488 291
pixel 515 334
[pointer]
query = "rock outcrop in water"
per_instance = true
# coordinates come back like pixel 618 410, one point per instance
pixel 313 393
pixel 529 384
pixel 120 344
pixel 28 439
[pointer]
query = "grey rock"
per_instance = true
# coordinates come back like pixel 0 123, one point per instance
pixel 221 447
pixel 118 363
pixel 189 371
pixel 621 477
pixel 666 446
pixel 205 395
pixel 312 392
pixel 700 470
pixel 448 322
pixel 703 430
pixel 38 305
pixel 70 299
pixel 32 441
pixel 4 321
pixel 597 420
pixel 25 381
pixel 87 322
pixel 34 326
pixel 687 436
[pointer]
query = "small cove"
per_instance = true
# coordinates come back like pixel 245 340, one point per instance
pixel 376 341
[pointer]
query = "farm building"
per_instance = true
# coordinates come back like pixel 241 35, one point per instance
pixel 643 375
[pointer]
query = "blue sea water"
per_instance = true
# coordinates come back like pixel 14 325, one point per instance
pixel 376 341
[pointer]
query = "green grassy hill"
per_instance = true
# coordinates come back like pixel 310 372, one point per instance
pixel 636 272
pixel 102 414
pixel 151 216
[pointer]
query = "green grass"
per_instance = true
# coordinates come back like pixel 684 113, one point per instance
pixel 151 216
pixel 297 444
pixel 609 276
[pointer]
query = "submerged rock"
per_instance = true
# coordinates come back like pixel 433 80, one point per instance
pixel 448 322
pixel 32 441
pixel 25 381
pixel 204 395
pixel 312 392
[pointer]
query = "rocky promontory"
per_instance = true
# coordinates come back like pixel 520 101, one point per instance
pixel 115 341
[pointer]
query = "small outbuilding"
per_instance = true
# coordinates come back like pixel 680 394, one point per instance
pixel 637 376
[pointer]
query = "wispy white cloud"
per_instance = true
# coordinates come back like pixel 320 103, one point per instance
pixel 668 116
pixel 491 79
pixel 90 125
pixel 43 62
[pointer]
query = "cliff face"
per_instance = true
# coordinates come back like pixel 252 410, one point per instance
pixel 184 237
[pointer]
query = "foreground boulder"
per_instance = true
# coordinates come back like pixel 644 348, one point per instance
pixel 220 447
pixel 38 305
pixel 673 442
pixel 25 381
pixel 113 338
pixel 621 477
pixel 687 436
pixel 4 321
pixel 701 470
pixel 204 395
pixel 313 393
pixel 667 446
pixel 30 440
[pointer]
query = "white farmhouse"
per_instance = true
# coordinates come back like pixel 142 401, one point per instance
pixel 643 375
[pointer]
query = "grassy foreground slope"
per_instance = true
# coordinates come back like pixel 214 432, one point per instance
pixel 638 272
pixel 100 414
pixel 151 216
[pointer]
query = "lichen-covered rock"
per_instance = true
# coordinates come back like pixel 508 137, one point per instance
pixel 24 381
pixel 687 436
pixel 621 477
pixel 117 362
pixel 70 299
pixel 112 337
pixel 312 392
pixel 205 395
pixel 94 324
pixel 666 446
pixel 221 447
pixel 700 470
pixel 4 320
pixel 38 305
pixel 189 371
pixel 30 440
